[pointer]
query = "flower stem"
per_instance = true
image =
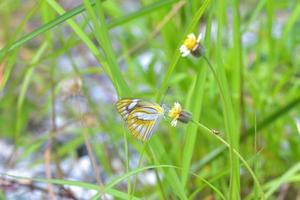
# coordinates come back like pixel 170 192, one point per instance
pixel 215 76
pixel 212 132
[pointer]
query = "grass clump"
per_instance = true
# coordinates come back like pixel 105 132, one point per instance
pixel 64 66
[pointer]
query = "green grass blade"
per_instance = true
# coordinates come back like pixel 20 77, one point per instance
pixel 116 80
pixel 275 184
pixel 191 131
pixel 250 131
pixel 256 181
pixel 160 155
pixel 177 55
pixel 143 11
pixel 115 193
pixel 24 88
pixel 50 25
pixel 75 11
pixel 231 121
pixel 101 30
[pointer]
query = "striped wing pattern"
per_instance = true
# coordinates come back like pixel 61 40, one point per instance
pixel 141 117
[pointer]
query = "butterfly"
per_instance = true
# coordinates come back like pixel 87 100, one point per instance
pixel 141 117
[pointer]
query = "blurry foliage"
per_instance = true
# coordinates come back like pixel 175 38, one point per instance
pixel 47 49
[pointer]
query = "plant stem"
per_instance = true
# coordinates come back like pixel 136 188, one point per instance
pixel 212 132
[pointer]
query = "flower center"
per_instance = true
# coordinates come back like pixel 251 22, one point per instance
pixel 190 43
pixel 175 112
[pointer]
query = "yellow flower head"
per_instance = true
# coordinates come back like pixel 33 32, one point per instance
pixel 174 113
pixel 178 114
pixel 190 42
pixel 191 45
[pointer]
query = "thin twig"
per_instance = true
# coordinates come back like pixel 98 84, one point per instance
pixel 47 160
pixel 48 150
pixel 92 156
pixel 93 161
pixel 2 66
pixel 88 145
pixel 8 184
pixel 284 189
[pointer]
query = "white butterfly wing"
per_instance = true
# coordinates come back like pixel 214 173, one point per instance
pixel 142 118
pixel 142 124
pixel 125 106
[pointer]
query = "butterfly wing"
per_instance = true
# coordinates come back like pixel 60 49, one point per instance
pixel 125 106
pixel 142 123
pixel 142 118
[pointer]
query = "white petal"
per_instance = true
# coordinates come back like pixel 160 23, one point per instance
pixel 177 105
pixel 183 48
pixel 184 54
pixel 174 123
pixel 184 51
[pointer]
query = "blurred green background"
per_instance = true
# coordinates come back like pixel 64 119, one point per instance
pixel 64 64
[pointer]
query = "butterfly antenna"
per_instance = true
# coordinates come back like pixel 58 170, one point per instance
pixel 163 99
pixel 165 107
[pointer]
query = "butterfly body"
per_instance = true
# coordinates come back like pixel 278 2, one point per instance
pixel 141 117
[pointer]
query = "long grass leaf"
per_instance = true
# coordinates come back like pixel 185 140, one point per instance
pixel 191 131
pixel 177 55
pixel 24 88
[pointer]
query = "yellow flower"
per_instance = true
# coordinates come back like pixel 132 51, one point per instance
pixel 174 113
pixel 191 45
pixel 178 114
